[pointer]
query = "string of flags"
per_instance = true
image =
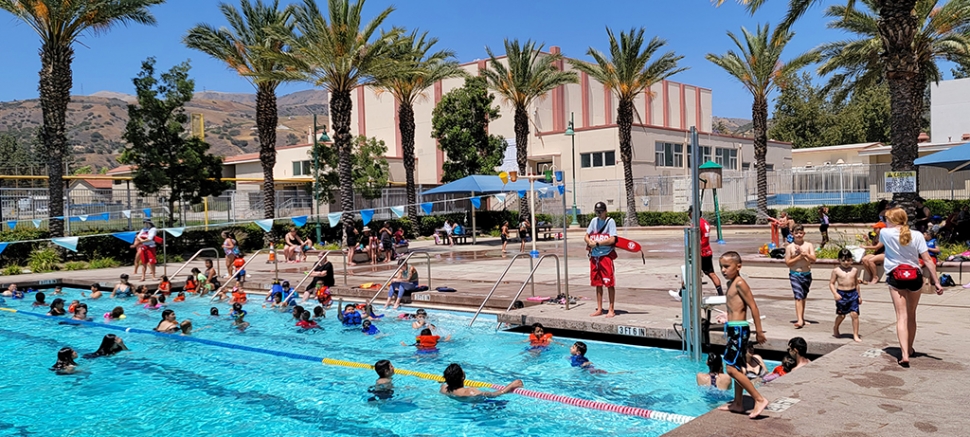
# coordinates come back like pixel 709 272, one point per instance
pixel 101 216
pixel 366 215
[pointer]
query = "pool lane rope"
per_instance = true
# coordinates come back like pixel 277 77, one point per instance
pixel 576 402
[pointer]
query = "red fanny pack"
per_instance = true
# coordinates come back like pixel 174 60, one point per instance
pixel 906 272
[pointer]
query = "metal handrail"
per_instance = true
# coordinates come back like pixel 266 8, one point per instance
pixel 531 274
pixel 314 266
pixel 276 267
pixel 400 265
pixel 196 256
pixel 499 281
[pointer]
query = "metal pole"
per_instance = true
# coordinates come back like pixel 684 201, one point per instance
pixel 573 155
pixel 695 292
pixel 841 188
pixel 316 176
pixel 717 212
pixel 128 191
pixel 474 240
pixel 67 208
pixel 565 248
pixel 165 256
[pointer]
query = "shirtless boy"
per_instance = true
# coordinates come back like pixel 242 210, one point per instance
pixel 799 256
pixel 739 299
pixel 844 285
pixel 454 386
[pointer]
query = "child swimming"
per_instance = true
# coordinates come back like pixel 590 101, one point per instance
pixel 117 313
pixel 577 358
pixel 153 303
pixel 179 297
pixel 306 322
pixel 122 288
pixel 65 361
pixel 165 287
pixel 95 292
pixel 238 317
pixel 369 313
pixel 238 294
pixel 426 342
pixel 319 313
pixel 57 307
pixel 539 339
pixel 39 299
pixel 367 327
pixel 350 316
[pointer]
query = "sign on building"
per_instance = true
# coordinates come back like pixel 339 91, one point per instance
pixel 900 181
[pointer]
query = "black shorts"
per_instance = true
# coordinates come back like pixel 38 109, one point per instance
pixel 737 343
pixel 707 264
pixel 912 285
pixel 504 238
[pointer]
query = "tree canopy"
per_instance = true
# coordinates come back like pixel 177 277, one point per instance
pixel 460 124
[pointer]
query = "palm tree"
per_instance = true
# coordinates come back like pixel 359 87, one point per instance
pixel 757 65
pixel 530 75
pixel 59 24
pixel 627 73
pixel 420 69
pixel 237 48
pixel 857 63
pixel 897 25
pixel 340 52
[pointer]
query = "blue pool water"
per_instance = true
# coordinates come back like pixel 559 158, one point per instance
pixel 186 388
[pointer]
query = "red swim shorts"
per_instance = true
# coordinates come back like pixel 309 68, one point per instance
pixel 601 272
pixel 147 255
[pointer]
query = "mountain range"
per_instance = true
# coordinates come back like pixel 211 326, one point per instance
pixel 96 122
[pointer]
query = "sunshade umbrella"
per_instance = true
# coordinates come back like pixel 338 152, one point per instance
pixel 482 184
pixel 953 159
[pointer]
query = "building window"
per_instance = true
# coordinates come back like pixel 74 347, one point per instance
pixel 302 168
pixel 705 154
pixel 598 159
pixel 727 158
pixel 669 155
pixel 747 165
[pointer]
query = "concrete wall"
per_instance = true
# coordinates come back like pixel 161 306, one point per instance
pixel 950 110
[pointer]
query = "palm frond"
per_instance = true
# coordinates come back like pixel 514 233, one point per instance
pixel 530 74
pixel 61 22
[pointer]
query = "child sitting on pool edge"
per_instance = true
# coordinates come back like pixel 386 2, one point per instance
pixel 577 357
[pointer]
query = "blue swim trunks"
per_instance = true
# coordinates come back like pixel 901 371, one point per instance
pixel 737 333
pixel 800 283
pixel 848 302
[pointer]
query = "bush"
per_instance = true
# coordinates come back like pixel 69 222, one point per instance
pixel 12 269
pixel 75 265
pixel 43 260
pixel 104 263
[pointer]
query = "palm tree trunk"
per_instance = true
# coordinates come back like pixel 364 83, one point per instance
pixel 266 121
pixel 624 120
pixel 759 116
pixel 340 108
pixel 897 27
pixel 522 154
pixel 55 94
pixel 405 116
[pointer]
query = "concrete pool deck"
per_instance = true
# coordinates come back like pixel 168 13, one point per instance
pixel 855 389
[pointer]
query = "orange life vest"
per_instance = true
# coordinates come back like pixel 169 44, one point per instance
pixel 191 286
pixel 427 341
pixel 238 263
pixel 543 341
pixel 238 297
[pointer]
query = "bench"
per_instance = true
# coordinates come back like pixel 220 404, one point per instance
pixel 458 238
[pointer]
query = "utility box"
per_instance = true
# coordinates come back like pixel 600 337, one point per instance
pixel 710 175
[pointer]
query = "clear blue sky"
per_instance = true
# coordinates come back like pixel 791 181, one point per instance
pixel 692 28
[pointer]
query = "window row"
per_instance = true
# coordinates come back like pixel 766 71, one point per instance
pixel 672 155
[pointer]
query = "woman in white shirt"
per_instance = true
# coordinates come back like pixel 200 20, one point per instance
pixel 904 249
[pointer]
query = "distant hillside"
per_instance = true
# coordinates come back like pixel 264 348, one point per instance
pixel 733 126
pixel 95 123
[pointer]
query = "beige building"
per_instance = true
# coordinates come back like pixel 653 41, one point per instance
pixel 663 117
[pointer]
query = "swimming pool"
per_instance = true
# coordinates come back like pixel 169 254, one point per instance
pixel 179 387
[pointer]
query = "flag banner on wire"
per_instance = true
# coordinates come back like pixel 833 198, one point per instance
pixel 176 232
pixel 398 211
pixel 36 223
pixel 11 224
pixel 521 193
pixel 2 247
pixel 126 213
pixel 266 224
pixel 427 207
pixel 83 218
pixel 334 218
pixel 148 212
pixel 500 197
pixel 128 237
pixel 69 243
pixel 366 215
pixel 562 189
pixel 476 202
pixel 299 221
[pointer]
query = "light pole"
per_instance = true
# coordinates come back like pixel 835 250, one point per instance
pixel 572 135
pixel 316 175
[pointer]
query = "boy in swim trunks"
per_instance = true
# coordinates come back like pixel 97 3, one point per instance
pixel 799 256
pixel 577 358
pixel 739 299
pixel 844 285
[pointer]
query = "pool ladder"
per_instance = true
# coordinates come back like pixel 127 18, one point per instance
pixel 528 280
pixel 276 269
pixel 204 249
pixel 314 266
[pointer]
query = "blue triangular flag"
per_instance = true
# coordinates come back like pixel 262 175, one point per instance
pixel 74 219
pixel 12 224
pixel 477 201
pixel 366 215
pixel 334 218
pixel 500 197
pixel 426 207
pixel 126 236
pixel 398 211
pixel 266 224
pixel 126 213
pixel 177 232
pixel 3 246
pixel 105 216
pixel 148 212
pixel 69 243
pixel 521 193
pixel 36 223
pixel 562 189
pixel 60 217
pixel 299 221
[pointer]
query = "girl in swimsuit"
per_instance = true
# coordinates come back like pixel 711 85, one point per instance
pixel 123 288
pixel 754 366
pixel 65 361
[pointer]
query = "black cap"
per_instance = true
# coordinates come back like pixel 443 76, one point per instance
pixel 600 206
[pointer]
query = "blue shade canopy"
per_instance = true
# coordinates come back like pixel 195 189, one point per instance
pixel 954 159
pixel 483 184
